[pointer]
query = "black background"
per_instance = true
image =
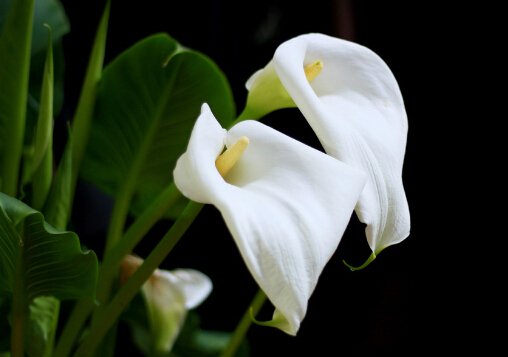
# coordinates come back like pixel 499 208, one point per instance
pixel 418 296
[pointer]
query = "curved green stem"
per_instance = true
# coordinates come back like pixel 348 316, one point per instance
pixel 244 324
pixel 112 311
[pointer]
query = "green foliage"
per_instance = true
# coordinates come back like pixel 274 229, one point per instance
pixel 22 52
pixel 52 14
pixel 15 43
pixel 145 112
pixel 43 318
pixel 49 12
pixel 53 261
pixel 138 114
pixel 56 210
pixel 83 116
pixel 193 341
pixel 41 163
pixel 197 342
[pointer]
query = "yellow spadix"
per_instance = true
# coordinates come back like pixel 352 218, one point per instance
pixel 313 69
pixel 228 158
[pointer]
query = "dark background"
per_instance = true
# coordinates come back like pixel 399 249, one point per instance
pixel 416 297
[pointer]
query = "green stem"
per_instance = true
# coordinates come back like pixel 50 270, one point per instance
pixel 112 263
pixel 15 47
pixel 121 209
pixel 127 188
pixel 134 234
pixel 19 303
pixel 73 327
pixel 246 114
pixel 112 311
pixel 244 324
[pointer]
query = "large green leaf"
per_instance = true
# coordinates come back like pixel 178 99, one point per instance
pixel 145 111
pixel 53 263
pixel 44 310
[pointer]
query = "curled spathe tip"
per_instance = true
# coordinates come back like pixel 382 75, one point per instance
pixel 279 322
pixel 367 262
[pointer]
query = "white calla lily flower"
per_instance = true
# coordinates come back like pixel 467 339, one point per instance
pixel 168 296
pixel 355 107
pixel 286 205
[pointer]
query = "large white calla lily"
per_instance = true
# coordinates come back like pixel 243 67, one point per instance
pixel 168 296
pixel 285 204
pixel 356 110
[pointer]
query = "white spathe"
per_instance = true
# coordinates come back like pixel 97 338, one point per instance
pixel 356 110
pixel 168 296
pixel 285 204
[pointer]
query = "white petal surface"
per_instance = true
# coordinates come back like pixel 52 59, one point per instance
pixel 192 284
pixel 195 174
pixel 286 205
pixel 356 110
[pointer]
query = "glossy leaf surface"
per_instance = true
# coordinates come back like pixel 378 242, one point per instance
pixel 53 263
pixel 145 110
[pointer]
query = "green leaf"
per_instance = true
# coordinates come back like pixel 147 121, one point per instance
pixel 49 12
pixel 196 342
pixel 42 162
pixel 57 207
pixel 44 319
pixel 15 43
pixel 43 134
pixel 41 327
pixel 144 114
pixel 84 111
pixel 52 260
pixel 192 341
pixel 52 13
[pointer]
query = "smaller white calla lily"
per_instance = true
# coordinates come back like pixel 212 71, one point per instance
pixel 355 107
pixel 285 204
pixel 168 295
